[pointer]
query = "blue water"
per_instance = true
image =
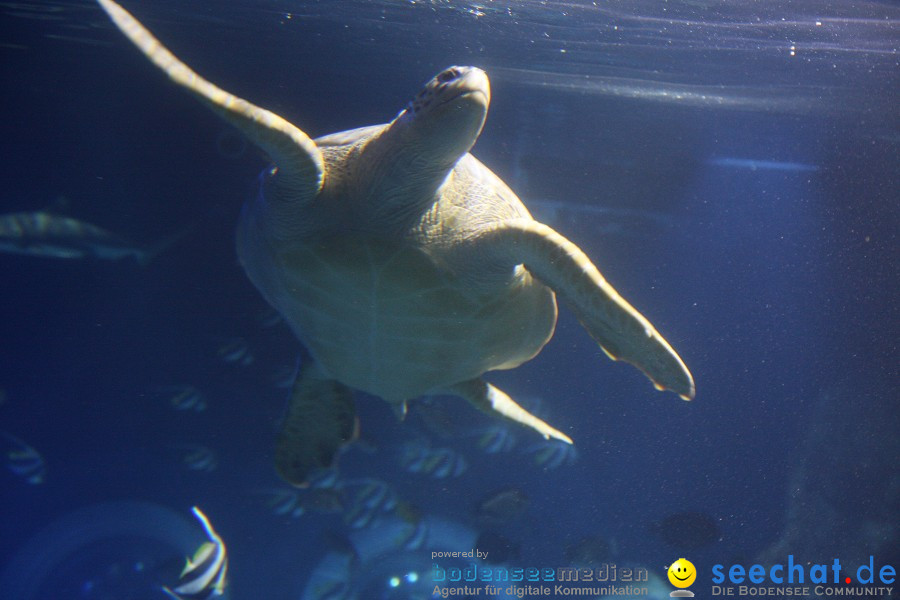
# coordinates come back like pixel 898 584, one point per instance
pixel 732 168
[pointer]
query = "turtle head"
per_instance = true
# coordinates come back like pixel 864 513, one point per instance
pixel 444 119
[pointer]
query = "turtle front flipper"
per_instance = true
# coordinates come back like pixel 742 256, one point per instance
pixel 622 332
pixel 301 171
pixel 320 420
pixel 486 398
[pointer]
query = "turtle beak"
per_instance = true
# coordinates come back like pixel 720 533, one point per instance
pixel 452 111
pixel 441 123
pixel 470 83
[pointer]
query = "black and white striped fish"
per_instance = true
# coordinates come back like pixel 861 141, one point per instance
pixel 204 575
pixel 24 460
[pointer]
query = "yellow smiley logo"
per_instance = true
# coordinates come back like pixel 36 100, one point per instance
pixel 682 573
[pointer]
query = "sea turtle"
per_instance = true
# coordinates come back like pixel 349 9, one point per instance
pixel 404 265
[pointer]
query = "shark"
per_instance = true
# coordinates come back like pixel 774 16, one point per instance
pixel 47 234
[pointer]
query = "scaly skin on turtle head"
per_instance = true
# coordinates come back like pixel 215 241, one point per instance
pixel 445 118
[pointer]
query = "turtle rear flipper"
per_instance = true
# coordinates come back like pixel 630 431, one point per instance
pixel 320 420
pixel 485 397
pixel 622 332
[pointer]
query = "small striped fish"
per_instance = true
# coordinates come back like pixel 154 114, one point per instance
pixel 204 574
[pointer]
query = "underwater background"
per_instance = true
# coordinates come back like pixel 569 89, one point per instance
pixel 732 168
